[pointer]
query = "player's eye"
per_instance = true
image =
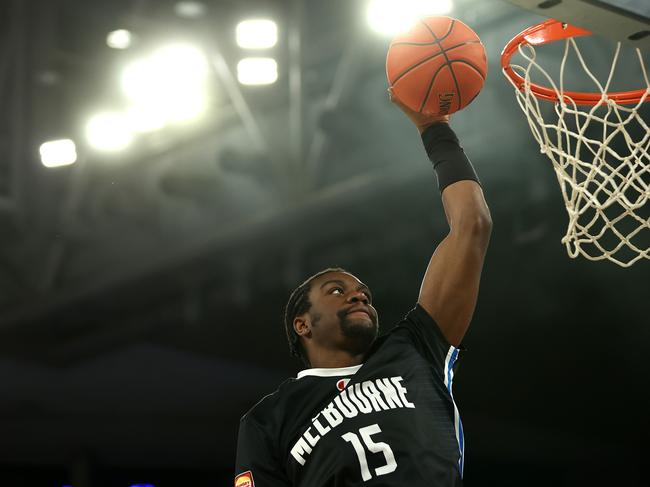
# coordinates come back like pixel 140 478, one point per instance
pixel 336 290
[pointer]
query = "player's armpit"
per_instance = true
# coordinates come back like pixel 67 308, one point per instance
pixel 450 286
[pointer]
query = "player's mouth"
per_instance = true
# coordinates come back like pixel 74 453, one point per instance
pixel 359 313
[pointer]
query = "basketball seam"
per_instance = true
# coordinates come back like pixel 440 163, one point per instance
pixel 429 43
pixel 451 27
pixel 401 75
pixel 453 75
pixel 470 65
pixel 433 78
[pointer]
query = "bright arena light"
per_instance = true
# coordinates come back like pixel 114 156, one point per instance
pixel 143 118
pixel 109 132
pixel 119 39
pixel 392 17
pixel 166 87
pixel 257 34
pixel 257 71
pixel 55 153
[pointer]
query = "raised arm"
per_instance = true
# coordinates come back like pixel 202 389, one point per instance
pixel 450 286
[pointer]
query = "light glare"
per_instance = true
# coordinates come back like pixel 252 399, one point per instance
pixel 390 17
pixel 257 34
pixel 185 108
pixel 257 71
pixel 109 132
pixel 119 39
pixel 168 86
pixel 189 9
pixel 145 118
pixel 56 153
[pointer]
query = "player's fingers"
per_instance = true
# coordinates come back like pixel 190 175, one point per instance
pixel 393 98
pixel 396 101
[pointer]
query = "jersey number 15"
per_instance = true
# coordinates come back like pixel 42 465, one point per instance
pixel 373 447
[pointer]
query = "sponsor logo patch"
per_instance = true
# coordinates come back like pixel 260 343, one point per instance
pixel 245 479
pixel 340 385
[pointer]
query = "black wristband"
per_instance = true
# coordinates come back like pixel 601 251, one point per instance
pixel 448 158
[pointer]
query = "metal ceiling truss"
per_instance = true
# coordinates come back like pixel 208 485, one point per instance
pixel 13 101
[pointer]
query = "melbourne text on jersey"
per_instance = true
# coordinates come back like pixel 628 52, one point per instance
pixel 363 398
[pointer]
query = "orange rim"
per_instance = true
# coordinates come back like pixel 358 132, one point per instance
pixel 550 31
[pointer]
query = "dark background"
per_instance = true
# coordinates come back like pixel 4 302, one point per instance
pixel 141 295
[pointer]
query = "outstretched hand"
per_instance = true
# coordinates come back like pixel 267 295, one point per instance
pixel 421 120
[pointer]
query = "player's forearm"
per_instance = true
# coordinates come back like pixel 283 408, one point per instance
pixel 458 182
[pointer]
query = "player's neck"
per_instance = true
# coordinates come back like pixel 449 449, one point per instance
pixel 334 359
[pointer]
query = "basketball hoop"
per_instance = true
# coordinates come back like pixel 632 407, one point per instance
pixel 606 189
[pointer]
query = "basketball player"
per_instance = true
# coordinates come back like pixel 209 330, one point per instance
pixel 368 410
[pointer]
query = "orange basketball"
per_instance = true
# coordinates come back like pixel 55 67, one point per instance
pixel 438 67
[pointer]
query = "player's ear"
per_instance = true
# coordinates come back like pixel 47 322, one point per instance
pixel 302 326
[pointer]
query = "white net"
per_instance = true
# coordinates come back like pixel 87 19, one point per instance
pixel 600 156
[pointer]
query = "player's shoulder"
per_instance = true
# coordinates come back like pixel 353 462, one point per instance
pixel 269 404
pixel 276 405
pixel 397 332
pixel 418 329
pixel 418 317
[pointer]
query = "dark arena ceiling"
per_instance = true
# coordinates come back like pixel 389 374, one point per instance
pixel 142 292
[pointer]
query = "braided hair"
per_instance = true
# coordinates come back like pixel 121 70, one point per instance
pixel 297 305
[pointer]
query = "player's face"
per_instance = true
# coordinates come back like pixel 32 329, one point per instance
pixel 342 315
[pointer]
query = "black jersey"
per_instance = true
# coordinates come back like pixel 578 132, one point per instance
pixel 391 421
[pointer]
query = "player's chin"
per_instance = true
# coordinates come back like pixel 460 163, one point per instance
pixel 359 327
pixel 361 320
pixel 358 319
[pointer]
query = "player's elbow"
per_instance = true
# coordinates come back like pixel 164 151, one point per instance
pixel 475 225
pixel 483 222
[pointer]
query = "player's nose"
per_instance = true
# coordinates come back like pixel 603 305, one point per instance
pixel 358 296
